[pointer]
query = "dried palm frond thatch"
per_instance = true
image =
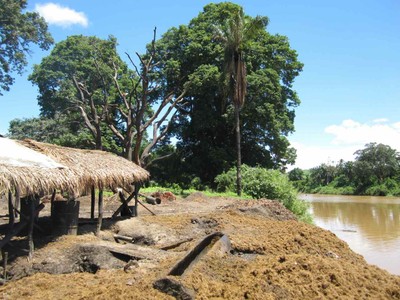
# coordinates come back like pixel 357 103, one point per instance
pixel 83 169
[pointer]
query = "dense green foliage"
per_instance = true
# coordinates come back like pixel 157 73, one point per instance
pixel 17 31
pixel 262 183
pixel 375 171
pixel 75 83
pixel 204 127
pixel 87 59
pixel 59 130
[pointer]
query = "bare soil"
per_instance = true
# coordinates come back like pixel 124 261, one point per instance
pixel 272 256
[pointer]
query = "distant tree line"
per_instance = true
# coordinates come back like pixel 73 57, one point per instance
pixel 375 171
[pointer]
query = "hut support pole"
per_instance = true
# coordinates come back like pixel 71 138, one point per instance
pixel 31 222
pixel 11 216
pixel 137 188
pixel 17 201
pixel 4 255
pixel 53 197
pixel 92 203
pixel 100 219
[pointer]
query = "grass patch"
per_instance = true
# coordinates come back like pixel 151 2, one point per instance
pixel 186 192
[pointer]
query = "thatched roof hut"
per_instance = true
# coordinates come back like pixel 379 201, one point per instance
pixel 73 170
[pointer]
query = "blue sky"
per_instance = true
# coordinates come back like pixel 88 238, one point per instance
pixel 350 86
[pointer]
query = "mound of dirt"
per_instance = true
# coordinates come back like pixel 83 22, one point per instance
pixel 272 256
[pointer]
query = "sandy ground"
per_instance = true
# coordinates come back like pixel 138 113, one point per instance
pixel 271 256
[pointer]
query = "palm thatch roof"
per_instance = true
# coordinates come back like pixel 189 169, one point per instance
pixel 76 171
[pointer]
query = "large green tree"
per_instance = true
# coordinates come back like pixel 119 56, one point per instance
pixel 75 80
pixel 378 162
pixel 18 30
pixel 205 126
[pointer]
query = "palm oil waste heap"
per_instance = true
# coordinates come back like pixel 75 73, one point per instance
pixel 272 256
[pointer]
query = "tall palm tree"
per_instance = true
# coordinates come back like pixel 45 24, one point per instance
pixel 235 34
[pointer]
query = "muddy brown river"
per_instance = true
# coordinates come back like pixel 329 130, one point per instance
pixel 369 225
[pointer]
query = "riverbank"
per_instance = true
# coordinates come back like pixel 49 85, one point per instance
pixel 272 256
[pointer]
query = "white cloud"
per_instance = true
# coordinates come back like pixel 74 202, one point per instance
pixel 309 156
pixel 350 132
pixel 60 15
pixel 348 137
pixel 381 120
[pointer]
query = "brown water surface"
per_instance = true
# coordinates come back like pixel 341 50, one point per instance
pixel 369 225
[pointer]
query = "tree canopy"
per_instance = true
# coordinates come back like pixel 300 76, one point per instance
pixel 76 80
pixel 18 30
pixel 205 126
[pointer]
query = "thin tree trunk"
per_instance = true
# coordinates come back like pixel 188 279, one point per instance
pixel 99 143
pixel 239 154
pixel 136 152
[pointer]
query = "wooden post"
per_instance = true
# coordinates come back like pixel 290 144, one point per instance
pixel 11 216
pixel 100 219
pixel 137 187
pixel 17 200
pixel 31 222
pixel 5 261
pixel 53 197
pixel 93 203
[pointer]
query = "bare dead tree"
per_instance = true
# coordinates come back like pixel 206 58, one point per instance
pixel 136 109
pixel 89 112
pixel 92 109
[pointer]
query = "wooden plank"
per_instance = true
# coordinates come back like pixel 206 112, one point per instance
pixel 136 251
pixel 196 252
pixel 144 207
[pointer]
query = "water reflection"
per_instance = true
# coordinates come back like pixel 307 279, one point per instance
pixel 373 220
pixel 370 225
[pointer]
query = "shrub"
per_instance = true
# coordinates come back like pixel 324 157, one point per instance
pixel 332 190
pixel 262 183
